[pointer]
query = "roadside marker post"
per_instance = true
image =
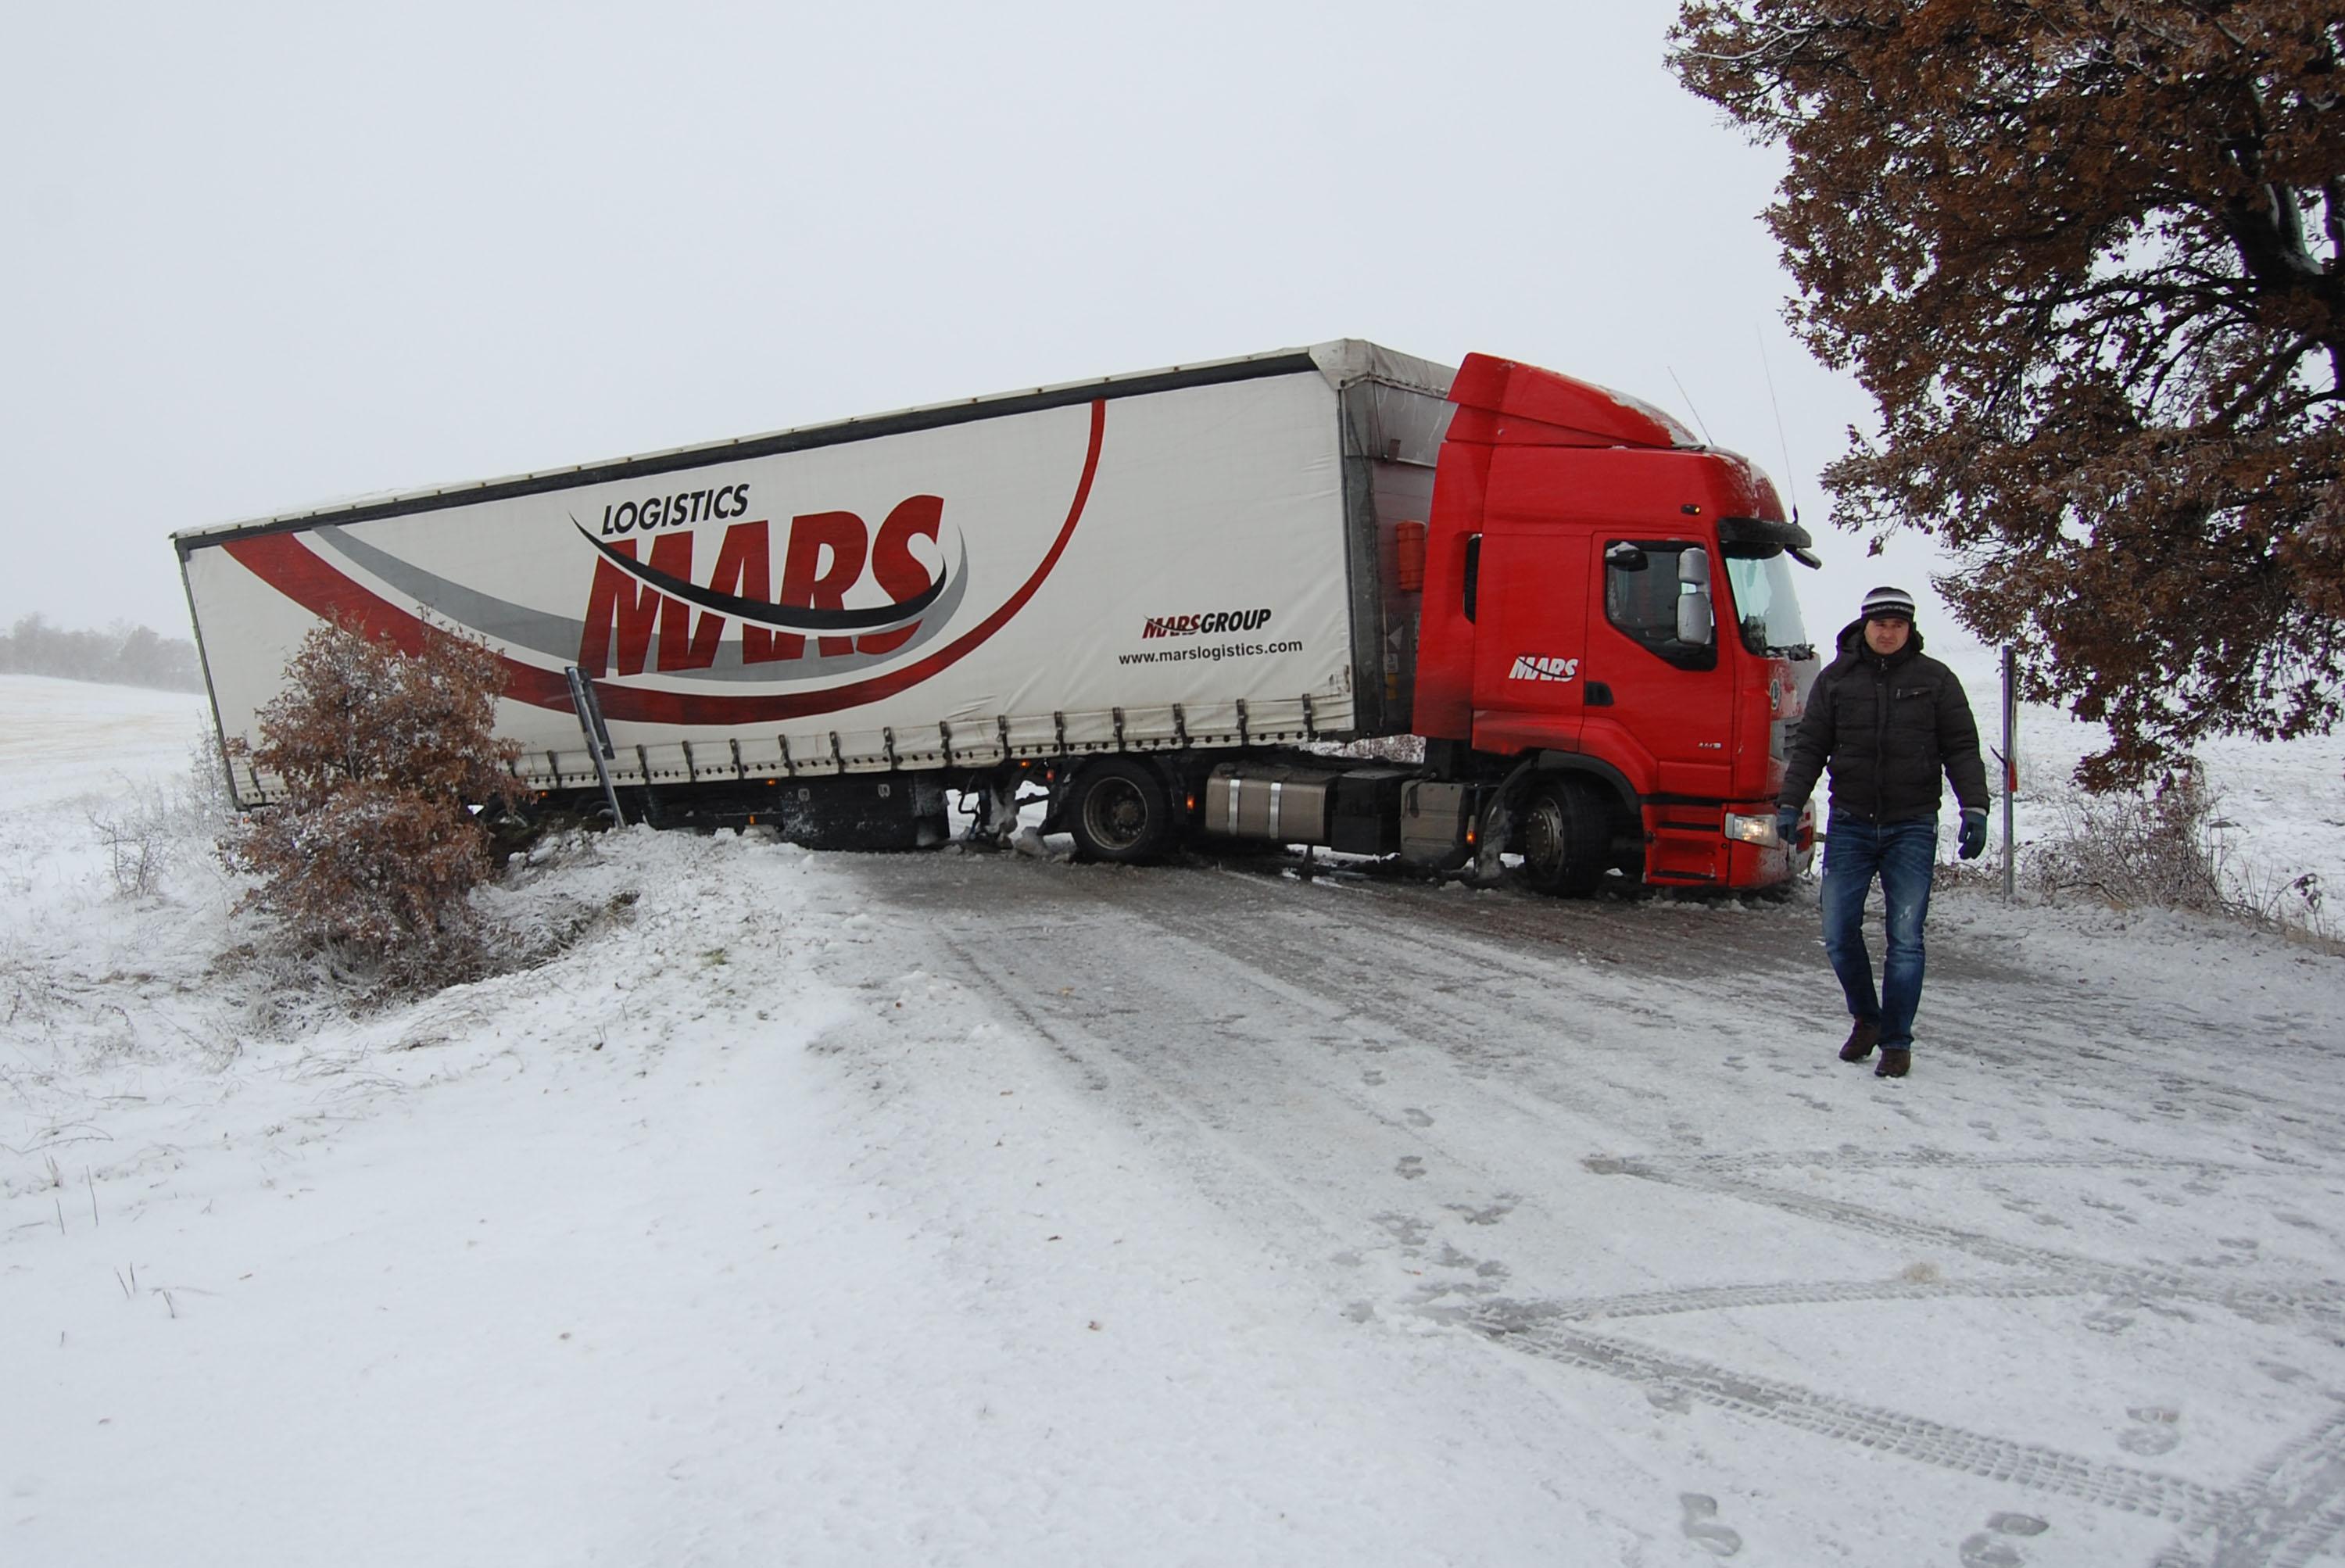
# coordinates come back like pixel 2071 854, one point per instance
pixel 2010 763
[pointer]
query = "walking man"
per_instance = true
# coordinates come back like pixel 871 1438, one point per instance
pixel 1888 722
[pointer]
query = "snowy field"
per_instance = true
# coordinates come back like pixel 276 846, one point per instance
pixel 2281 808
pixel 977 1209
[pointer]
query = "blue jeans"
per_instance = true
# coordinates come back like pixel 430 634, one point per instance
pixel 1901 854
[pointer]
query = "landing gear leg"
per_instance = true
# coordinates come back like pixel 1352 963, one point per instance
pixel 1001 808
pixel 994 820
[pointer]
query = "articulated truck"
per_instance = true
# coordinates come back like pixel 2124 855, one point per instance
pixel 1162 603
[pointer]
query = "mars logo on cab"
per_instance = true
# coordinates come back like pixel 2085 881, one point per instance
pixel 1543 666
pixel 825 555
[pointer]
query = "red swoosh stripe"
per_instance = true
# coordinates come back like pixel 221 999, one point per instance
pixel 282 562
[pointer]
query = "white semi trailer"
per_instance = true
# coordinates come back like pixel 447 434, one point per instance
pixel 1148 593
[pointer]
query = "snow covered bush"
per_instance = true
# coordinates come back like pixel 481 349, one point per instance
pixel 375 847
pixel 2172 848
pixel 2163 847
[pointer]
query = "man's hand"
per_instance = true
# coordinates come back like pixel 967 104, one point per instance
pixel 1787 823
pixel 1973 843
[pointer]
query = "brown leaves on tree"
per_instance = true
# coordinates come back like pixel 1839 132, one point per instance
pixel 378 754
pixel 2085 257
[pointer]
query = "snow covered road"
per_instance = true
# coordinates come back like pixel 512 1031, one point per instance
pixel 977 1209
pixel 2081 1270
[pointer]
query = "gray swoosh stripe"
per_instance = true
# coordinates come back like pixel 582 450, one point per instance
pixel 557 637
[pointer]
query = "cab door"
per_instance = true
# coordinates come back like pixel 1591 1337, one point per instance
pixel 1655 682
pixel 1530 626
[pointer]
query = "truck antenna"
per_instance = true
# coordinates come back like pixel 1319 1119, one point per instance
pixel 1789 478
pixel 1688 403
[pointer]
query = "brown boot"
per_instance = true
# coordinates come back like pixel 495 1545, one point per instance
pixel 1860 1041
pixel 1894 1060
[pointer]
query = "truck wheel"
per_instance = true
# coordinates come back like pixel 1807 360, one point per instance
pixel 1565 837
pixel 1120 812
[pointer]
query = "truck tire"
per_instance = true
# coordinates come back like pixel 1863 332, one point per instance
pixel 1121 812
pixel 1565 837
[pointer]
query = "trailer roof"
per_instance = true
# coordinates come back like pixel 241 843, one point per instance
pixel 1343 362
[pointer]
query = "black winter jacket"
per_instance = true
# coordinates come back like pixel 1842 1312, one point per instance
pixel 1888 728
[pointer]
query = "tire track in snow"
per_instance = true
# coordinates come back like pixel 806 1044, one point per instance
pixel 2286 1511
pixel 1532 1331
pixel 2313 1302
pixel 988 960
pixel 1494 1013
pixel 1951 1160
pixel 2288 1508
pixel 1202 1039
pixel 1817 1293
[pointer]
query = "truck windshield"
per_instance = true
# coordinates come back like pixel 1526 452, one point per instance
pixel 1765 607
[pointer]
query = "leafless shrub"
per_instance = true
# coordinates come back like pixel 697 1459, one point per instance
pixel 148 830
pixel 205 794
pixel 138 846
pixel 1985 874
pixel 2298 905
pixel 2158 848
pixel 28 990
pixel 2168 847
pixel 370 857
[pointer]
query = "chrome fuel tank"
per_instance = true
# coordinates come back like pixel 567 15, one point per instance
pixel 1284 804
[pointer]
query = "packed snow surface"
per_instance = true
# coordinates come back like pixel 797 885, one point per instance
pixel 963 1208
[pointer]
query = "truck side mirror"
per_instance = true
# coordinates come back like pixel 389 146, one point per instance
pixel 1626 558
pixel 1695 619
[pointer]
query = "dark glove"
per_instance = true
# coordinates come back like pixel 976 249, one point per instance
pixel 1973 843
pixel 1787 822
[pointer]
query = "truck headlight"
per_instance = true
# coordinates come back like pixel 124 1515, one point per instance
pixel 1752 830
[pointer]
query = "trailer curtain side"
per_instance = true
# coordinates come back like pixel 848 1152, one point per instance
pixel 1183 558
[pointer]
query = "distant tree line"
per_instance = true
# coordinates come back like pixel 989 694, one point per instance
pixel 122 654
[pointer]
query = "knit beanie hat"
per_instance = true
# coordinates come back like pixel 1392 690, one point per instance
pixel 1888 602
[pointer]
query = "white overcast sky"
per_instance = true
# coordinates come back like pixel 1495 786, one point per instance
pixel 262 256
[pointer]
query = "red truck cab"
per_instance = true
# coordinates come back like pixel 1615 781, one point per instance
pixel 1609 624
